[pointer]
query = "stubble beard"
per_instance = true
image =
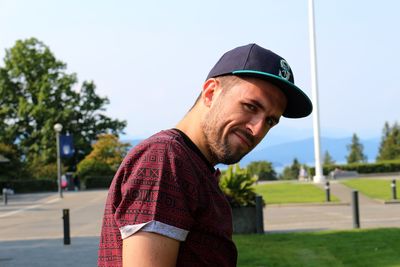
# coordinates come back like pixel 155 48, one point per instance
pixel 218 147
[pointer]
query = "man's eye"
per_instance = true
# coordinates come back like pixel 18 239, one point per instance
pixel 250 107
pixel 271 122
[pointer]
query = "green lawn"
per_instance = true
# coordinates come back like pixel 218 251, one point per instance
pixel 356 248
pixel 292 192
pixel 374 188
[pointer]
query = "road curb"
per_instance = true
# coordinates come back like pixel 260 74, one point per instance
pixel 308 204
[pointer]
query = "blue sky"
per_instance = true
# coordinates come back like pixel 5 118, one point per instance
pixel 151 57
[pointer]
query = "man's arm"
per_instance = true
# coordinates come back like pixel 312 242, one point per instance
pixel 149 249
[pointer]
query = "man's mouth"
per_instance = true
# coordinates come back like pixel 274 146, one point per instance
pixel 244 138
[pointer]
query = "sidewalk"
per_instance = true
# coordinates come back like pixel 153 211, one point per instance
pixel 49 252
pixel 31 232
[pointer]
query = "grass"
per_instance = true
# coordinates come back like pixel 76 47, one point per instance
pixel 356 248
pixel 291 192
pixel 374 188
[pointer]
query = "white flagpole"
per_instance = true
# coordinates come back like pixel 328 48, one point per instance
pixel 319 177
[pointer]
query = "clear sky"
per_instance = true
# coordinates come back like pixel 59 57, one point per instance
pixel 151 57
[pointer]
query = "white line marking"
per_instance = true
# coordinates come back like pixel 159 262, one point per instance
pixel 28 208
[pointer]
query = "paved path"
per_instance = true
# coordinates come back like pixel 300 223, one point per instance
pixel 310 217
pixel 31 231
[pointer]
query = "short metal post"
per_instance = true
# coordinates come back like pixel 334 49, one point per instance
pixel 394 196
pixel 356 211
pixel 328 192
pixel 67 238
pixel 259 215
pixel 5 196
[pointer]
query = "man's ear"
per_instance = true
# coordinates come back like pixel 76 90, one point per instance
pixel 210 88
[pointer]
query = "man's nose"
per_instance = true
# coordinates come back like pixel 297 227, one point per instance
pixel 258 127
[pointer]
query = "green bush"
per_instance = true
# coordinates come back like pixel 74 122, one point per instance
pixel 107 154
pixel 89 168
pixel 237 185
pixel 378 167
pixel 41 171
pixel 97 182
pixel 30 186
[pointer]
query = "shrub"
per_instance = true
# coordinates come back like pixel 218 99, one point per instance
pixel 237 185
pixel 107 154
pixel 30 186
pixel 97 182
pixel 39 170
pixel 378 167
pixel 91 167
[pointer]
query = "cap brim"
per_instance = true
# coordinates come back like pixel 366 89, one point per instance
pixel 298 103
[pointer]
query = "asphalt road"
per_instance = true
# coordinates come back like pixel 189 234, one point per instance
pixel 31 229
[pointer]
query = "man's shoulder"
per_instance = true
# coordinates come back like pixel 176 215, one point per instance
pixel 165 141
pixel 165 137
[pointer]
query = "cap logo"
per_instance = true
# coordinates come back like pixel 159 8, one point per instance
pixel 284 72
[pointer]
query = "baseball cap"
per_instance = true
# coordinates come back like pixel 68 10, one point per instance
pixel 256 61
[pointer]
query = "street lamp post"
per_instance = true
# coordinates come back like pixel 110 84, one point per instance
pixel 58 128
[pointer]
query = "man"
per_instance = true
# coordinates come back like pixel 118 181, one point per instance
pixel 164 206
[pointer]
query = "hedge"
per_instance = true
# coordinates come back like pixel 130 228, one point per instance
pixel 377 167
pixel 29 186
pixel 97 182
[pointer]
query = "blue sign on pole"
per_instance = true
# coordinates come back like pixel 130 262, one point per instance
pixel 66 146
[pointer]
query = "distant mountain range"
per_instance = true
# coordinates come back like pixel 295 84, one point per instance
pixel 283 154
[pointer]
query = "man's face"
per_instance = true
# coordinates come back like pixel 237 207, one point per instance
pixel 239 117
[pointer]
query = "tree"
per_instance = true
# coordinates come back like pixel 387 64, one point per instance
pixel 263 170
pixel 291 172
pixel 328 160
pixel 390 144
pixel 355 151
pixel 35 93
pixel 11 167
pixel 107 154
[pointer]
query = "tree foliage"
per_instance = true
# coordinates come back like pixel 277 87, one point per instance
pixel 390 144
pixel 328 160
pixel 291 172
pixel 107 154
pixel 40 170
pixel 355 149
pixel 36 92
pixel 262 170
pixel 10 169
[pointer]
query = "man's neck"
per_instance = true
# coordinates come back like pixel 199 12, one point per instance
pixel 191 126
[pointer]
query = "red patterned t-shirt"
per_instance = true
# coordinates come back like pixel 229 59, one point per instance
pixel 166 185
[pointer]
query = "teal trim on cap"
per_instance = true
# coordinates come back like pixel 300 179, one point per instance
pixel 265 74
pixel 272 76
pixel 284 81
